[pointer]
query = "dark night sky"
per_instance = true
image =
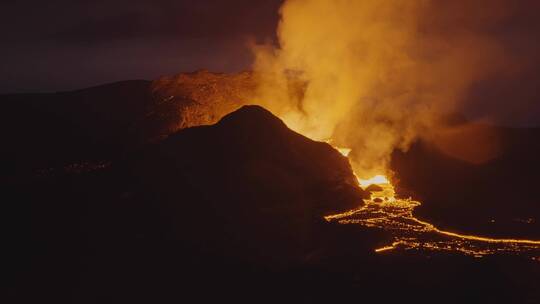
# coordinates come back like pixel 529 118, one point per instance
pixel 68 44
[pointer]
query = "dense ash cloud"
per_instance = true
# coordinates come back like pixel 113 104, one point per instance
pixel 380 74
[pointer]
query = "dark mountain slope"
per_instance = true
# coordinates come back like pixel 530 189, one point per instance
pixel 44 131
pixel 39 131
pixel 249 170
pixel 497 197
pixel 244 195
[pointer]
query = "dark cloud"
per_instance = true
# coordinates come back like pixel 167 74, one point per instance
pixel 60 44
pixel 185 19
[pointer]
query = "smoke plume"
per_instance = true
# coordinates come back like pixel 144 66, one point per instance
pixel 374 75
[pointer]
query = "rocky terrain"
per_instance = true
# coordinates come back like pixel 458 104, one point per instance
pixel 199 98
pixel 101 123
pixel 162 191
pixel 493 198
pixel 246 191
pixel 44 134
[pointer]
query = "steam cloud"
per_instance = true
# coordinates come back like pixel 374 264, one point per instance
pixel 375 75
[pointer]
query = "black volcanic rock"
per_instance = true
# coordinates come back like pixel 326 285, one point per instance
pixel 247 186
pixel 101 123
pixel 208 201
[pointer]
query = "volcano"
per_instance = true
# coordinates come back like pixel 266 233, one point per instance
pixel 248 170
pixel 245 191
pixel 157 191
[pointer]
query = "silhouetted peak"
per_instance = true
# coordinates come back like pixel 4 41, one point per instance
pixel 252 117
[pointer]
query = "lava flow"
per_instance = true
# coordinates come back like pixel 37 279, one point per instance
pixel 393 214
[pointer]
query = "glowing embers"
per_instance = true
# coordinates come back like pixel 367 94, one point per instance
pixel 395 215
pixel 386 248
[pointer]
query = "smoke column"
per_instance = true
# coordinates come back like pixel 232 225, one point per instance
pixel 375 75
